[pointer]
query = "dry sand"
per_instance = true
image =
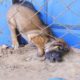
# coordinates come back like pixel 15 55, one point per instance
pixel 23 64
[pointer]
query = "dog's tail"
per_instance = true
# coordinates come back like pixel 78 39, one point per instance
pixel 17 1
pixel 24 3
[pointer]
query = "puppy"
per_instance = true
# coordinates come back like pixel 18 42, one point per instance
pixel 25 19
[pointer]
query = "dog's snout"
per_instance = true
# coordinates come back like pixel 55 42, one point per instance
pixel 53 56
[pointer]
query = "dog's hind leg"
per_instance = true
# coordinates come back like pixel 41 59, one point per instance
pixel 15 43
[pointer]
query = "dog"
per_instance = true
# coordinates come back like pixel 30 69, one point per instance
pixel 24 18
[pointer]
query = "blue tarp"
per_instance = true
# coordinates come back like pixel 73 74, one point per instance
pixel 64 14
pixel 5 37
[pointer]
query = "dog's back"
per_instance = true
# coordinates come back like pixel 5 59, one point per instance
pixel 28 24
pixel 23 17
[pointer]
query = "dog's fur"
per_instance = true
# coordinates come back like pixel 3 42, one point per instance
pixel 21 17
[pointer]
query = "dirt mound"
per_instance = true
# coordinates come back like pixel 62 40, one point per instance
pixel 23 64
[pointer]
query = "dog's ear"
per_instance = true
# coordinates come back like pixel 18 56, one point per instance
pixel 64 46
pixel 67 48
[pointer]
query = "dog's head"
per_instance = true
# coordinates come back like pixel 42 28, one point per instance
pixel 54 50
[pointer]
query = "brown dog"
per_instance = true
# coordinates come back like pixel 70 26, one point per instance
pixel 23 19
pixel 29 25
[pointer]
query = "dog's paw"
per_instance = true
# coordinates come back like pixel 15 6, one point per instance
pixel 40 52
pixel 15 46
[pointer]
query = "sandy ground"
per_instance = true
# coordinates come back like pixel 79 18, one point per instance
pixel 23 64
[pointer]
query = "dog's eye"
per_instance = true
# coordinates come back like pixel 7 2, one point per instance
pixel 56 47
pixel 60 48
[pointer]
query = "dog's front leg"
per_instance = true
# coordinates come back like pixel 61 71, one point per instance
pixel 39 43
pixel 40 50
